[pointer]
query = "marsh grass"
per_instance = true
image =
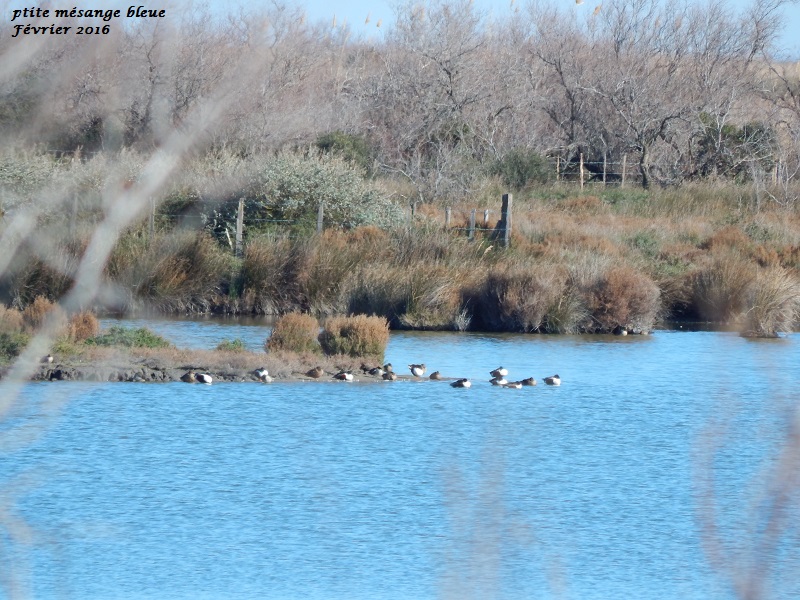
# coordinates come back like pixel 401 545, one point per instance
pixel 294 332
pixel 82 326
pixel 773 301
pixel 356 336
pixel 128 337
pixel 234 345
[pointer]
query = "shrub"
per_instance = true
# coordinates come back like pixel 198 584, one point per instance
pixel 517 297
pixel 83 326
pixel 11 320
pixel 235 345
pixel 625 298
pixel 294 185
pixel 359 336
pixel 129 338
pixel 36 312
pixel 294 332
pixel 719 291
pixel 521 167
pixel 12 344
pixel 773 303
pixel 353 148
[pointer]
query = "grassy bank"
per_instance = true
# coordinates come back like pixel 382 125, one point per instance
pixel 603 261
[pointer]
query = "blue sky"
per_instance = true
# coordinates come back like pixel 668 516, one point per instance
pixel 357 11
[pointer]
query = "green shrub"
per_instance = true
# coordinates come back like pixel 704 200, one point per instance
pixel 294 332
pixel 12 344
pixel 353 148
pixel 294 185
pixel 358 335
pixel 235 345
pixel 520 168
pixel 129 338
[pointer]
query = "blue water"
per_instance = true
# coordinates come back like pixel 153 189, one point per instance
pixel 602 488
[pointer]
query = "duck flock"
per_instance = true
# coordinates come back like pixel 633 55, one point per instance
pixel 386 373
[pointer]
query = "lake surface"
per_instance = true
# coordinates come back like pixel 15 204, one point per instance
pixel 605 487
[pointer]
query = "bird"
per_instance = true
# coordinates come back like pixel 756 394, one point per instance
pixel 461 383
pixel 365 368
pixel 499 372
pixel 417 370
pixel 376 371
pixel 436 375
pixel 263 375
pixel 344 376
pixel 388 368
pixel 389 376
pixel 517 385
pixel 47 359
pixel 315 373
pixel 498 381
pixel 188 377
pixel 203 378
pixel 554 380
pixel 528 381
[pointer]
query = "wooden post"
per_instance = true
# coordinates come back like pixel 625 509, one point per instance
pixel 485 218
pixel 471 234
pixel 239 227
pixel 581 156
pixel 447 215
pixel 558 168
pixel 320 216
pixel 506 217
pixel 605 164
pixel 413 210
pixel 624 164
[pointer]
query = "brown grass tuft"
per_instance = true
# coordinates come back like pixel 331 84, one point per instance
pixel 35 313
pixel 82 326
pixel 11 320
pixel 358 336
pixel 626 299
pixel 773 303
pixel 294 332
pixel 719 290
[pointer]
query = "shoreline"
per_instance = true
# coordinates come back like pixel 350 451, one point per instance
pixel 167 366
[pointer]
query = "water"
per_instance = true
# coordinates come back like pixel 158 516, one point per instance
pixel 597 489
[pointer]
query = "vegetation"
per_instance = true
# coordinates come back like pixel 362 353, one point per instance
pixel 294 332
pixel 355 336
pixel 128 337
pixel 235 345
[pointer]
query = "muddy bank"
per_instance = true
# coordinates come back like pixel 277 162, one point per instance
pixel 154 369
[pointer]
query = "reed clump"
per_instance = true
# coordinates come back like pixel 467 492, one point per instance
pixel 358 335
pixel 34 315
pixel 294 332
pixel 773 301
pixel 82 326
pixel 624 299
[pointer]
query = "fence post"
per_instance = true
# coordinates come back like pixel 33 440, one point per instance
pixel 239 227
pixel 506 219
pixel 581 171
pixel 485 218
pixel 558 168
pixel 320 216
pixel 413 210
pixel 605 164
pixel 447 214
pixel 471 234
pixel 624 164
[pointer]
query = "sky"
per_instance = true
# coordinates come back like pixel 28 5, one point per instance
pixel 357 12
